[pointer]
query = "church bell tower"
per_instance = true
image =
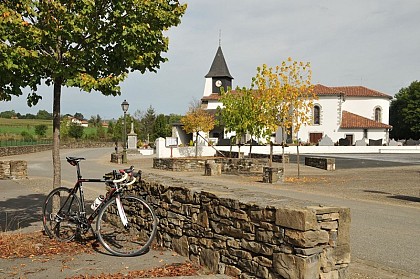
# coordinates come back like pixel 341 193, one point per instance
pixel 218 77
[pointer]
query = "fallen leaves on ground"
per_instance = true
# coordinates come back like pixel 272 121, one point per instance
pixel 35 244
pixel 173 270
pixel 293 179
pixel 28 245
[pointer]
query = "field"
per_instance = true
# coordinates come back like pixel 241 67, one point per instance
pixel 11 129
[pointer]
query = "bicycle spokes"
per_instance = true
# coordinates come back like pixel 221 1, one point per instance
pixel 61 214
pixel 130 234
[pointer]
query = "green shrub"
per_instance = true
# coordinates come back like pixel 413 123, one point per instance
pixel 76 131
pixel 27 136
pixel 41 130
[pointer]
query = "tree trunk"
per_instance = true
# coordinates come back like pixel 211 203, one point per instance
pixel 56 134
pixel 196 144
pixel 250 148
pixel 298 160
pixel 282 152
pixel 270 162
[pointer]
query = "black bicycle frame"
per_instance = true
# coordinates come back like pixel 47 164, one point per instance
pixel 79 187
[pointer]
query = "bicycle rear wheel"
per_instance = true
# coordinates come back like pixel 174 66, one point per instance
pixel 135 236
pixel 60 214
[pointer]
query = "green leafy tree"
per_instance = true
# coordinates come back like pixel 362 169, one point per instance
pixel 79 116
pixel 95 121
pixel 173 118
pixel 110 131
pixel 101 132
pixel 41 130
pixel 76 131
pixel 43 114
pixel 89 44
pixel 404 113
pixel 241 113
pixel 116 129
pixel 147 124
pixel 64 127
pixel 7 114
pixel 161 127
pixel 30 116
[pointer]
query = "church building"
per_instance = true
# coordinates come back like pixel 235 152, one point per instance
pixel 342 114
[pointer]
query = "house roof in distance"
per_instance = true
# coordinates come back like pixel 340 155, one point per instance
pixel 353 121
pixel 219 67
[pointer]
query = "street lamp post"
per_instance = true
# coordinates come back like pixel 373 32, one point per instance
pixel 124 106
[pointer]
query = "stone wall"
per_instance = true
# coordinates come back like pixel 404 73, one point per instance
pixel 321 163
pixel 277 158
pixel 254 236
pixel 228 165
pixel 13 169
pixel 180 164
pixel 250 166
pixel 18 150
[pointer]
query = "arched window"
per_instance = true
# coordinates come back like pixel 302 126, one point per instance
pixel 378 114
pixel 317 115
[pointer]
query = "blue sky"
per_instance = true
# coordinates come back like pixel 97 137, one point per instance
pixel 372 43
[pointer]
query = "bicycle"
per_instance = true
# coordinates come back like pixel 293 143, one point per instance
pixel 126 225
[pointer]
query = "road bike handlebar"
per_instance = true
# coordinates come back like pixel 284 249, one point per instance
pixel 125 174
pixel 124 177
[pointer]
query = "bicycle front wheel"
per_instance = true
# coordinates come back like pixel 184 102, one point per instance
pixel 60 214
pixel 126 226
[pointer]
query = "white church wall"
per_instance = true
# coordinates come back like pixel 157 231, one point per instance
pixel 366 107
pixel 208 87
pixel 329 119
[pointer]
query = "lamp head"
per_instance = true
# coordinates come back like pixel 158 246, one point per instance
pixel 124 106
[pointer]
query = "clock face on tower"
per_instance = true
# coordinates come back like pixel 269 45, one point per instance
pixel 218 83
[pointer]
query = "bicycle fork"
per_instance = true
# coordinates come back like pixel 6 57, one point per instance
pixel 121 212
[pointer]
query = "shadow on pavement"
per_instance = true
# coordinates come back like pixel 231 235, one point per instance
pixel 397 197
pixel 21 212
pixel 405 198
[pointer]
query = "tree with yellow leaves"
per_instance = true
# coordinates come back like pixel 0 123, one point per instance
pixel 286 97
pixel 196 120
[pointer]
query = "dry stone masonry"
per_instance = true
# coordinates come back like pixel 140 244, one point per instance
pixel 321 163
pixel 247 234
pixel 13 169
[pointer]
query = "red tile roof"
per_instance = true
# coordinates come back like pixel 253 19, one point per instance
pixel 351 91
pixel 211 97
pixel 350 120
pixel 322 90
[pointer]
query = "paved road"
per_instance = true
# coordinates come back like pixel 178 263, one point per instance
pixel 359 160
pixel 384 234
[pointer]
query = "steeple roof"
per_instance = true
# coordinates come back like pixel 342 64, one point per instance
pixel 219 67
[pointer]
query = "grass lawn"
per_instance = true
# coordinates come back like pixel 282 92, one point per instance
pixel 12 128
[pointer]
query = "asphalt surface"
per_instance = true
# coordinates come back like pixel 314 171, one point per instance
pixel 363 160
pixel 384 234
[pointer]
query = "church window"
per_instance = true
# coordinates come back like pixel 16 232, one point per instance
pixel 378 114
pixel 317 115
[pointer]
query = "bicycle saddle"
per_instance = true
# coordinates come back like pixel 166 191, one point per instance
pixel 74 160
